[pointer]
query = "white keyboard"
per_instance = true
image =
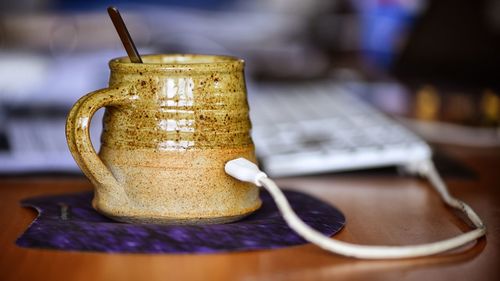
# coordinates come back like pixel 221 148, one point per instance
pixel 321 127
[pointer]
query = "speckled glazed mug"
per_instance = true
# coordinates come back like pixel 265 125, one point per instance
pixel 169 127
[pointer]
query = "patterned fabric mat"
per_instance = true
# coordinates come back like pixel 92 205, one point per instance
pixel 69 223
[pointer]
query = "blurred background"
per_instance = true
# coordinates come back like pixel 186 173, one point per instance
pixel 424 61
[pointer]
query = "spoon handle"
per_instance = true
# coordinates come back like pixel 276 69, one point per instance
pixel 122 30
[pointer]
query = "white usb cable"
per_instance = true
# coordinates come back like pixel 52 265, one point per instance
pixel 244 170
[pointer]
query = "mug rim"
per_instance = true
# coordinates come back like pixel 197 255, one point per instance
pixel 180 63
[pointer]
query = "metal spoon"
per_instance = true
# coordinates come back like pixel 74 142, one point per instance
pixel 122 30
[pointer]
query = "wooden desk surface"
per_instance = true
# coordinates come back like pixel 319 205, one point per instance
pixel 380 209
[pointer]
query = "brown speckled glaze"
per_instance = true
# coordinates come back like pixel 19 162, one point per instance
pixel 170 126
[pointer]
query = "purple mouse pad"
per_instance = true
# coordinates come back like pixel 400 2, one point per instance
pixel 68 222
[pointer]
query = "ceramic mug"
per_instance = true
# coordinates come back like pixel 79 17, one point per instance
pixel 170 125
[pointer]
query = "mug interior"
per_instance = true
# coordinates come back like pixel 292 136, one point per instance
pixel 179 62
pixel 183 59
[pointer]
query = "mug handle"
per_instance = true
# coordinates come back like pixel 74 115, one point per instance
pixel 80 145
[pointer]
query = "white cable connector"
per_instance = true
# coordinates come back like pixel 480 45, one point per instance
pixel 244 170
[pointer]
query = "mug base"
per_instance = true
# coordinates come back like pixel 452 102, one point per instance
pixel 179 221
pixel 168 220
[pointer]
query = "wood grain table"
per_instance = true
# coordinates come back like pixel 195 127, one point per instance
pixel 381 208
